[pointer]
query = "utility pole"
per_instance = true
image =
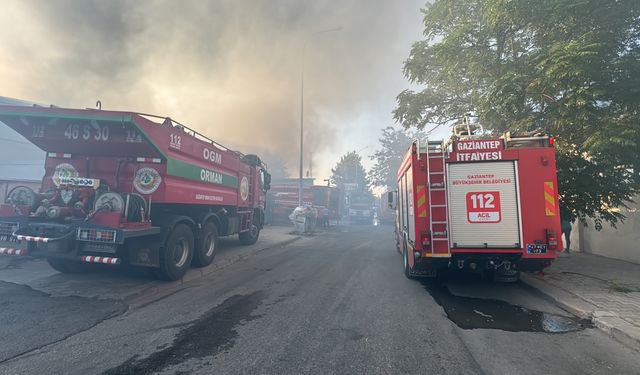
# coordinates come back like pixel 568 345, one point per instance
pixel 301 174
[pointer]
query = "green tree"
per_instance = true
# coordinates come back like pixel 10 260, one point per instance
pixel 570 67
pixel 394 144
pixel 350 170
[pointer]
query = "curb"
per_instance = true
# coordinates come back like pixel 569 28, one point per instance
pixel 606 321
pixel 160 290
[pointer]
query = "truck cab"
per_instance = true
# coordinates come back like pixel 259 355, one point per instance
pixel 360 207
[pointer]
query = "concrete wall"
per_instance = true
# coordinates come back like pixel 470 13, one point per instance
pixel 621 243
pixel 6 186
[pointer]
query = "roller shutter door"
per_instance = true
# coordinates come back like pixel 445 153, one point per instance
pixel 483 205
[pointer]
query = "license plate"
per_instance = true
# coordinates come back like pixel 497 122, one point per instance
pixel 536 249
pixel 6 238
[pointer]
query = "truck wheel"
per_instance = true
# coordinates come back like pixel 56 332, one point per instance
pixel 405 261
pixel 176 254
pixel 206 249
pixel 66 266
pixel 251 236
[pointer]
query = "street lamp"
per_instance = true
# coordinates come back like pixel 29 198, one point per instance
pixel 304 48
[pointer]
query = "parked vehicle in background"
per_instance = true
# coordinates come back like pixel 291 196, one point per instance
pixel 282 199
pixel 386 208
pixel 126 187
pixel 478 204
pixel 326 199
pixel 360 207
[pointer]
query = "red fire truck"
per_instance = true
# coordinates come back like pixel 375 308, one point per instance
pixel 478 204
pixel 124 187
pixel 283 199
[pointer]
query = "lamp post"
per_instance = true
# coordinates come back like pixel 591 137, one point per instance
pixel 304 48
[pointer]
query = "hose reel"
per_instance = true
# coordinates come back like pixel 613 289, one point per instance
pixel 131 206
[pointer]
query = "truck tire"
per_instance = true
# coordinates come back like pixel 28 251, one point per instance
pixel 176 254
pixel 207 246
pixel 251 236
pixel 66 265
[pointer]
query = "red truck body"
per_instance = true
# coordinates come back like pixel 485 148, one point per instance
pixel 129 179
pixel 478 205
pixel 283 199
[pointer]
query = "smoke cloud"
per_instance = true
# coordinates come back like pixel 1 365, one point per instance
pixel 229 69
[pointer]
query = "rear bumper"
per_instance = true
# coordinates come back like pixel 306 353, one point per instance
pixel 84 242
pixel 478 262
pixel 62 240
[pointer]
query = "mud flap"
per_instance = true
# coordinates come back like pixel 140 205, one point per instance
pixel 143 253
pixel 425 271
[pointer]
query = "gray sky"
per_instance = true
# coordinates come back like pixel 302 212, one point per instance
pixel 230 69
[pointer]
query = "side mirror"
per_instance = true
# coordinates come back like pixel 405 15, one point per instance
pixel 391 200
pixel 267 181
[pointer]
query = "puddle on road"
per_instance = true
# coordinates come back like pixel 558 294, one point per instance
pixel 208 335
pixel 473 313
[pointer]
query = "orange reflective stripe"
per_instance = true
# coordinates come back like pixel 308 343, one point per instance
pixel 421 193
pixel 549 199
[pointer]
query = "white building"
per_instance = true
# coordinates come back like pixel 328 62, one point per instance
pixel 21 163
pixel 619 243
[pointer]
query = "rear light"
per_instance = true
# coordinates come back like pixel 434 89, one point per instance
pixel 425 239
pixel 552 141
pixel 552 239
pixel 96 235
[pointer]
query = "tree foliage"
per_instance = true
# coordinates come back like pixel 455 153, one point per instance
pixel 570 67
pixel 350 170
pixel 394 143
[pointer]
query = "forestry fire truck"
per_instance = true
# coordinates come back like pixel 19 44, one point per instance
pixel 478 204
pixel 124 187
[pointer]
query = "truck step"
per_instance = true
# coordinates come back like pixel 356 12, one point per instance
pixel 439 205
pixel 101 260
pixel 438 189
pixel 436 173
pixel 438 222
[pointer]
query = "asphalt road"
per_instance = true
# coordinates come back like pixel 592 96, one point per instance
pixel 336 302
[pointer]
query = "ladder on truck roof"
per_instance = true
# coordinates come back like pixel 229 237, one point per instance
pixel 437 194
